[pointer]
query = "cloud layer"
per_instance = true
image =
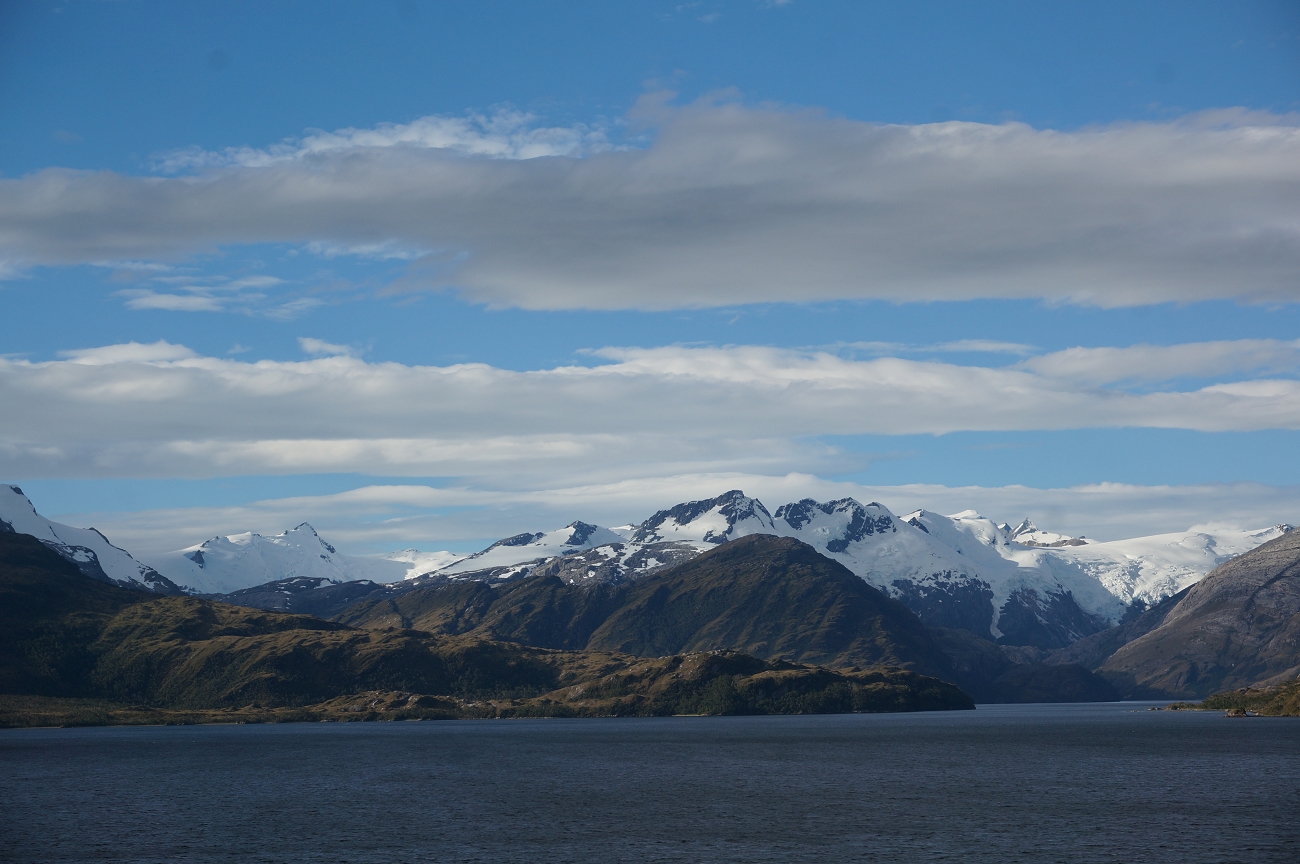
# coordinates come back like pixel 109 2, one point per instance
pixel 728 204
pixel 163 410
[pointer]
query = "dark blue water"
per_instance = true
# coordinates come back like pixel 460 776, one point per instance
pixel 1004 783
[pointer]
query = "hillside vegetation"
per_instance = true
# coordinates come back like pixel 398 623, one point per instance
pixel 107 652
pixel 1279 700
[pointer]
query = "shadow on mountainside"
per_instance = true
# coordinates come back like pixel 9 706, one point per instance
pixel 72 648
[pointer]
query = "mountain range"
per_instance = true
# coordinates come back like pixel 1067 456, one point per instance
pixel 1009 613
pixel 1016 586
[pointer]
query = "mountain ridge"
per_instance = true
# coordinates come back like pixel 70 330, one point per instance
pixel 1015 586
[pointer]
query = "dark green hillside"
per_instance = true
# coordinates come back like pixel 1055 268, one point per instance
pixel 770 597
pixel 539 610
pixel 50 614
pixel 1278 700
pixel 195 653
pixel 452 607
pixel 729 683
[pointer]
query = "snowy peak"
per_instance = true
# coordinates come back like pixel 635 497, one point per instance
pixel 90 550
pixel 523 548
pixel 305 531
pixel 715 520
pixel 231 563
pixel 1028 534
pixel 1025 527
pixel 580 533
pixel 248 547
pixel 842 522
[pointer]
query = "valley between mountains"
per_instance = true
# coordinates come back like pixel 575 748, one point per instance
pixel 714 606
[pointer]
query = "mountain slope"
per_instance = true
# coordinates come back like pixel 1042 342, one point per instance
pixel 50 615
pixel 521 548
pixel 767 596
pixel 771 597
pixel 66 639
pixel 1238 627
pixel 89 550
pixel 1092 651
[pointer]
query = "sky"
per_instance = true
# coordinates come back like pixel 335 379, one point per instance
pixel 430 274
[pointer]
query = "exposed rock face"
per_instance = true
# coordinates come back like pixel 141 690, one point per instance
pixel 952 599
pixel 863 522
pixel 1239 626
pixel 1047 620
pixel 308 595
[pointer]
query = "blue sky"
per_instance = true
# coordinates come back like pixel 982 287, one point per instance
pixel 357 247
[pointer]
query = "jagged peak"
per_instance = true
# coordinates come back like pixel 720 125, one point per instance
pixel 734 505
pixel 581 532
pixel 1026 526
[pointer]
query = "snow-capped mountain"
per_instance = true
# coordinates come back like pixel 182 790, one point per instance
pixel 1022 585
pixel 714 521
pixel 85 547
pixel 1028 534
pixel 505 557
pixel 582 553
pixel 225 564
pixel 1148 569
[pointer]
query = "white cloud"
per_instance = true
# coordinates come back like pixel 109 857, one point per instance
pixel 1157 363
pixel 729 205
pixel 503 134
pixel 389 250
pixel 142 298
pixel 161 351
pixel 249 282
pixel 319 347
pixel 961 346
pixel 161 410
pixel 190 293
